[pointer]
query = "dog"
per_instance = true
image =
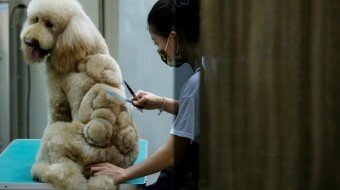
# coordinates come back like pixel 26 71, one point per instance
pixel 85 126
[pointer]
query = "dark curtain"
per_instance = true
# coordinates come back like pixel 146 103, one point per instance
pixel 270 100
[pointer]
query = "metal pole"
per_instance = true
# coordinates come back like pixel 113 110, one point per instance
pixel 102 17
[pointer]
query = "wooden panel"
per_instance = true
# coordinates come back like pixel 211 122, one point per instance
pixel 270 106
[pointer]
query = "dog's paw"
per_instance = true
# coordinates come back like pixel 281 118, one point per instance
pixel 36 178
pixel 38 171
pixel 66 175
pixel 101 182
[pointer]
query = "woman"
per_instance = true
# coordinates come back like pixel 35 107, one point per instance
pixel 174 27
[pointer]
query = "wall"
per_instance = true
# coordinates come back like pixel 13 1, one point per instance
pixel 91 8
pixel 4 76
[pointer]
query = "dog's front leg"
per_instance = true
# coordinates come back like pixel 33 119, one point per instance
pixel 59 109
pixel 59 156
pixel 63 175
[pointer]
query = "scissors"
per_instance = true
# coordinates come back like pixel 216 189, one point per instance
pixel 116 96
pixel 133 95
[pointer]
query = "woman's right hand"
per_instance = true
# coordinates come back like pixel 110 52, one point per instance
pixel 147 100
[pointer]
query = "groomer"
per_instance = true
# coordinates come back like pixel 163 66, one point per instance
pixel 174 28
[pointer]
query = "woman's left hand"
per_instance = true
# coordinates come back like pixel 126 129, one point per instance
pixel 117 174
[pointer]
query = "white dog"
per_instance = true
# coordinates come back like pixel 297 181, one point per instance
pixel 85 125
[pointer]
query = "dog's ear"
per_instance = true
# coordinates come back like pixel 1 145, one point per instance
pixel 76 42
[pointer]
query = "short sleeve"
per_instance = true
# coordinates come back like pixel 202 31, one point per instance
pixel 186 122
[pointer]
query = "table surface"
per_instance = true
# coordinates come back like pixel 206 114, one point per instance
pixel 16 161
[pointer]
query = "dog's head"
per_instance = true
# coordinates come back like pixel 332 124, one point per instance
pixel 60 31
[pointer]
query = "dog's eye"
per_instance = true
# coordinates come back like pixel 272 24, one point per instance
pixel 35 20
pixel 48 24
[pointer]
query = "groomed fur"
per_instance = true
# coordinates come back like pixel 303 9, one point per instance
pixel 85 126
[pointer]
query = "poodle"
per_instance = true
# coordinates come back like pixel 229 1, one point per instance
pixel 85 125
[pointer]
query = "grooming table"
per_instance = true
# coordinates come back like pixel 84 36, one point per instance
pixel 16 161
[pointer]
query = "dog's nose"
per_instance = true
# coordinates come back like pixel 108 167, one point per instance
pixel 31 42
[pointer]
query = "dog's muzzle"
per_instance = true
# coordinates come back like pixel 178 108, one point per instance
pixel 37 51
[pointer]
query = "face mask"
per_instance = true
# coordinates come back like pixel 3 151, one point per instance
pixel 176 62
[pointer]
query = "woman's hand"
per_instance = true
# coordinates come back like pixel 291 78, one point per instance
pixel 117 174
pixel 147 100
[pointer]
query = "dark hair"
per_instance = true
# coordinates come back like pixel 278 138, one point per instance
pixel 181 16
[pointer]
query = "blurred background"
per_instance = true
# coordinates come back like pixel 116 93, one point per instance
pixel 23 98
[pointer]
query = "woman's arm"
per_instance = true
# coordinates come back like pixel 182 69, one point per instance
pixel 151 101
pixel 170 105
pixel 161 159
